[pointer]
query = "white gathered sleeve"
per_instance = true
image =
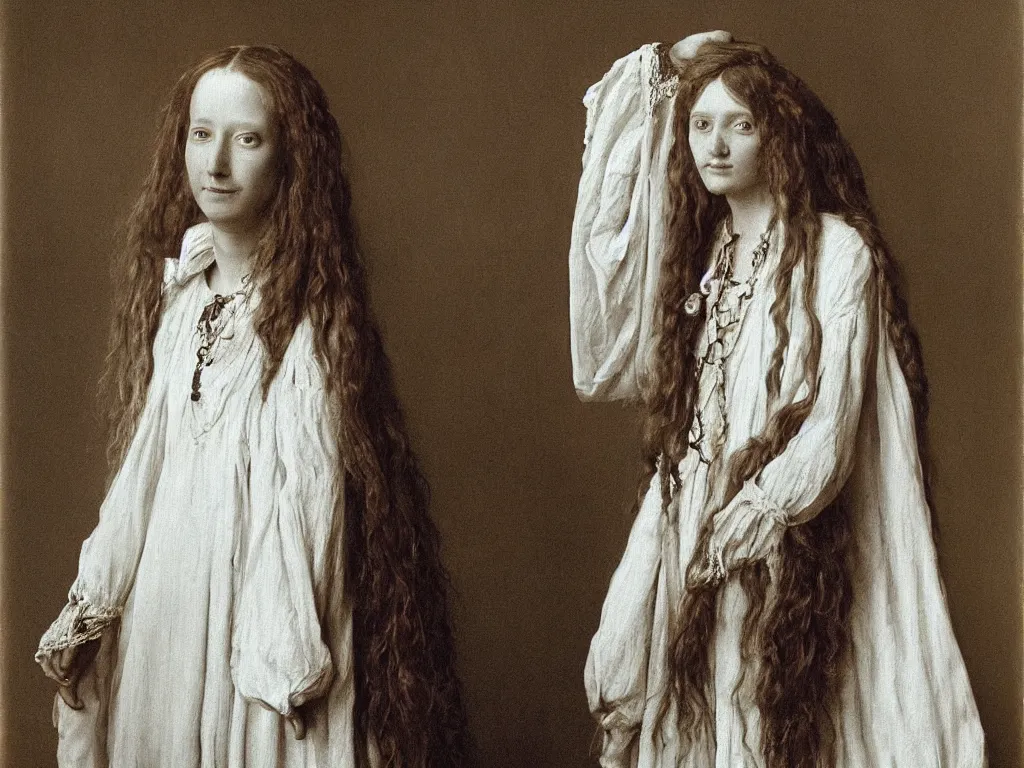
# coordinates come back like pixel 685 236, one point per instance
pixel 615 252
pixel 110 556
pixel 817 462
pixel 810 471
pixel 616 670
pixel 279 657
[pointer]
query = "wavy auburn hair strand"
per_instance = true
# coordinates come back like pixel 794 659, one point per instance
pixel 307 265
pixel 796 632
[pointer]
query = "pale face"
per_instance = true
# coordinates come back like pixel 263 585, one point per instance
pixel 230 154
pixel 725 143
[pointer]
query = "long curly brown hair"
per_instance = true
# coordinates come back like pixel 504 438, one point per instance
pixel 796 631
pixel 307 265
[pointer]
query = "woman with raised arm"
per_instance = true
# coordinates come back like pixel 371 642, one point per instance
pixel 264 553
pixel 779 603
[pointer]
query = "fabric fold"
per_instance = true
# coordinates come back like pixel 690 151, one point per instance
pixel 612 271
pixel 905 699
pixel 278 655
pixel 77 624
pixel 110 555
pixel 818 460
pixel 215 576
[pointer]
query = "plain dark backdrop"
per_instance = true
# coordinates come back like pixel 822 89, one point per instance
pixel 465 129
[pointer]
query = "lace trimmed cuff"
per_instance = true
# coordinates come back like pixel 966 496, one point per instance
pixel 78 623
pixel 754 495
pixel 749 528
pixel 662 76
pixel 617 743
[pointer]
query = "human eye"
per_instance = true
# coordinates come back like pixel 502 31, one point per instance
pixel 700 123
pixel 249 140
pixel 199 134
pixel 745 126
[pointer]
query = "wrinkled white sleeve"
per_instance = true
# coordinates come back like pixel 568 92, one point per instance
pixel 615 675
pixel 811 470
pixel 110 556
pixel 617 233
pixel 279 657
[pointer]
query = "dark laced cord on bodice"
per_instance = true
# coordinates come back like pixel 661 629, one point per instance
pixel 213 323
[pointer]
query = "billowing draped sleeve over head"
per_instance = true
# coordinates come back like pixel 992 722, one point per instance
pixel 618 228
pixel 290 547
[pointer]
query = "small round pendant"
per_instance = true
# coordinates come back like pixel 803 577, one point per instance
pixel 692 305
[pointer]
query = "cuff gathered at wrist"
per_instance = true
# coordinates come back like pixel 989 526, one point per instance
pixel 662 77
pixel 619 733
pixel 79 622
pixel 762 503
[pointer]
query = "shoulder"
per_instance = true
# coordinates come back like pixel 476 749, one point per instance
pixel 842 250
pixel 845 263
pixel 839 239
pixel 195 256
pixel 300 368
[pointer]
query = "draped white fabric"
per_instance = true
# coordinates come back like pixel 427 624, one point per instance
pixel 219 546
pixel 905 700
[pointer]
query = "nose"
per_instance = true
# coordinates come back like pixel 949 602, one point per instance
pixel 719 146
pixel 218 161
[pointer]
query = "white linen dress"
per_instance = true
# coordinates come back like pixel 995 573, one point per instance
pixel 219 548
pixel 905 700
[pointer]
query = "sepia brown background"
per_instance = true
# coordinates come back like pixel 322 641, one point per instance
pixel 465 129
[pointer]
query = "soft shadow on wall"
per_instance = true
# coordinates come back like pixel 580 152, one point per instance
pixel 465 128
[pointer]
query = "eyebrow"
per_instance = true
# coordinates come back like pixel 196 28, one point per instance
pixel 728 115
pixel 245 126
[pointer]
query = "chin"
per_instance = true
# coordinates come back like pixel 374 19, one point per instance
pixel 717 188
pixel 725 187
pixel 216 213
pixel 714 184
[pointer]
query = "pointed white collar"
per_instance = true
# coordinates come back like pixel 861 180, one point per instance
pixel 196 252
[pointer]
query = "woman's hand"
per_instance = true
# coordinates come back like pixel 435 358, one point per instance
pixel 295 719
pixel 298 724
pixel 746 530
pixel 66 666
pixel 617 744
pixel 617 749
pixel 687 47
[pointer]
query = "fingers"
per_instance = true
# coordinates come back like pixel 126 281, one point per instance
pixel 617 748
pixel 67 685
pixel 50 669
pixel 68 656
pixel 729 532
pixel 686 48
pixel 65 667
pixel 69 692
pixel 741 536
pixel 298 725
pixel 295 719
pixel 760 543
pixel 56 664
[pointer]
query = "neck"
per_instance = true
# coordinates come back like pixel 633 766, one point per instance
pixel 233 260
pixel 751 211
